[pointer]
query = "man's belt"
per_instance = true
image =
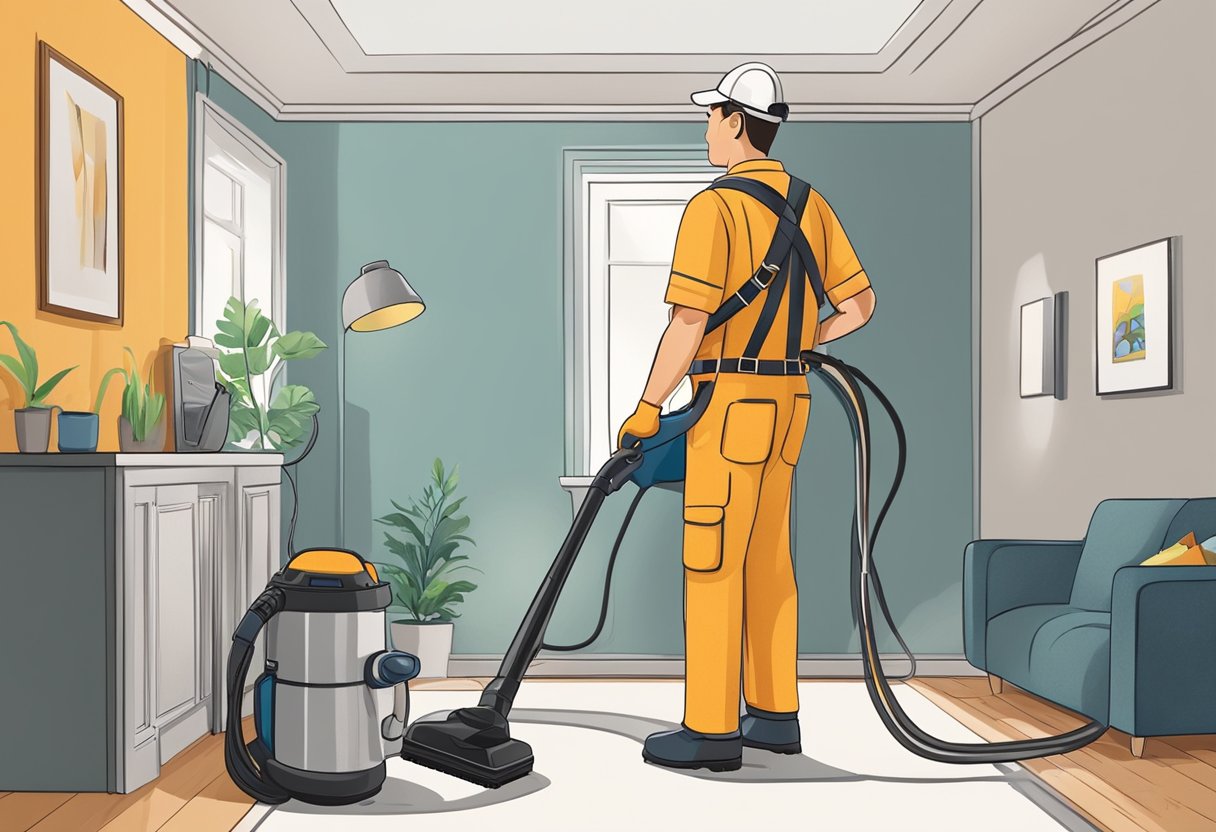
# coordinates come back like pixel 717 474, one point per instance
pixel 751 366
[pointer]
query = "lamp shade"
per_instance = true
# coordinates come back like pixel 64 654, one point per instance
pixel 379 298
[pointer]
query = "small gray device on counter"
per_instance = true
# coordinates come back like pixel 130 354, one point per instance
pixel 200 402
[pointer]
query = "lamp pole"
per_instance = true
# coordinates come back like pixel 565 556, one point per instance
pixel 342 438
pixel 379 298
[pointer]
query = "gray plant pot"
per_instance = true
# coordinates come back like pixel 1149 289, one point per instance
pixel 154 443
pixel 431 644
pixel 33 429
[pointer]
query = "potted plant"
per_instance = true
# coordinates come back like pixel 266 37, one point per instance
pixel 140 426
pixel 251 347
pixel 427 549
pixel 33 420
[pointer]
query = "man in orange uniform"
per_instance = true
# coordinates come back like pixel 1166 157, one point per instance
pixel 741 600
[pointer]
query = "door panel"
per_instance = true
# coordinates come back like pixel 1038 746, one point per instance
pixel 177 599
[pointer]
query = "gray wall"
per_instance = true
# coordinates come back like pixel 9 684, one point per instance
pixel 1112 149
pixel 471 213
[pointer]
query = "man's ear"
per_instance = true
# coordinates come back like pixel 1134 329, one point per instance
pixel 736 124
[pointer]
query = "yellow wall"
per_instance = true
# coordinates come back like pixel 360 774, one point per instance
pixel 111 42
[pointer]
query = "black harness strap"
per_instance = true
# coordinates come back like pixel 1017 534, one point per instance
pixel 793 333
pixel 784 263
pixel 780 206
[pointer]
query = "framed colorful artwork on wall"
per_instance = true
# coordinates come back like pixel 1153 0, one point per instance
pixel 1133 322
pixel 80 192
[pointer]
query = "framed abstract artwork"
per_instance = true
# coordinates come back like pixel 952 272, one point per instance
pixel 80 192
pixel 1133 322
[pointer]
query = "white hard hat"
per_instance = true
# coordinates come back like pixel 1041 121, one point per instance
pixel 754 86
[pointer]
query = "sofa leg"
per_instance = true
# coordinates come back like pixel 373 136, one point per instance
pixel 1137 746
pixel 995 683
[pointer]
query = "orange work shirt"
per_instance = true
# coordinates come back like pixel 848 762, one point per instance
pixel 724 234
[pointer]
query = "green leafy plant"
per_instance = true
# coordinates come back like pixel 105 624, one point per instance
pixel 428 550
pixel 25 369
pixel 140 406
pixel 251 347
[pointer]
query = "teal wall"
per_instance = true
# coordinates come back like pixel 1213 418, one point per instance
pixel 471 213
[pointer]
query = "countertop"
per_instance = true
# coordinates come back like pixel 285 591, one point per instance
pixel 141 460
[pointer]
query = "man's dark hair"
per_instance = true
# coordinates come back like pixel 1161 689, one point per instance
pixel 759 132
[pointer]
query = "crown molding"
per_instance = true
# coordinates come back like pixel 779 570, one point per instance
pixel 194 43
pixel 1117 15
pixel 332 30
pixel 601 112
pixel 926 26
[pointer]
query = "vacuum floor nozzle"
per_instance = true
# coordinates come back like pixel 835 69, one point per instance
pixel 473 744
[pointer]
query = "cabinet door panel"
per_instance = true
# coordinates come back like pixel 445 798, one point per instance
pixel 177 599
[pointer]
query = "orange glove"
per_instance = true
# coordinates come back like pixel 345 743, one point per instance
pixel 643 423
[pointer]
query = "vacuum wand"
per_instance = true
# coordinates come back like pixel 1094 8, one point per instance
pixel 475 743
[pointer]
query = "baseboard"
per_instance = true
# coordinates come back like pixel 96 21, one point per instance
pixel 826 666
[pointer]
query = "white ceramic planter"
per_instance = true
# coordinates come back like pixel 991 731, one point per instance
pixel 430 643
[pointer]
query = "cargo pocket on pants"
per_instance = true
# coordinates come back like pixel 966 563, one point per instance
pixel 791 449
pixel 703 538
pixel 747 435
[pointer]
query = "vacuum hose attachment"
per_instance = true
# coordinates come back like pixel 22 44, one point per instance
pixel 237 758
pixel 842 381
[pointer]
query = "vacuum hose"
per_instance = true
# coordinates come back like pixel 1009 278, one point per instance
pixel 842 381
pixel 237 758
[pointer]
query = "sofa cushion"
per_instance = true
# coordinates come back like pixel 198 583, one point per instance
pixel 1010 636
pixel 1054 651
pixel 1070 662
pixel 1121 533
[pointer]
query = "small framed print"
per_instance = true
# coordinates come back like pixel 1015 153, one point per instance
pixel 1038 359
pixel 80 192
pixel 1133 323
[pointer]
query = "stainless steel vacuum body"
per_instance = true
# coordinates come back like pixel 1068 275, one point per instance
pixel 332 702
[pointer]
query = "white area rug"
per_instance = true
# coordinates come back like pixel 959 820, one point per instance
pixel 589 774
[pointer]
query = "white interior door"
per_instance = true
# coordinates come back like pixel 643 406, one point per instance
pixel 631 234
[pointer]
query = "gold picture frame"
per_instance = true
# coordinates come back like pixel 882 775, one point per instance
pixel 80 192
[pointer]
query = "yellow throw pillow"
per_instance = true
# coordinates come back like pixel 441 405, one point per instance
pixel 1186 552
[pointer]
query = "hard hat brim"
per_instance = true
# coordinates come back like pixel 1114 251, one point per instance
pixel 706 98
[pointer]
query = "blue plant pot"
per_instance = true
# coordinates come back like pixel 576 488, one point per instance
pixel 77 432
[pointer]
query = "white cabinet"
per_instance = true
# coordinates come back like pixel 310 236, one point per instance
pixel 198 545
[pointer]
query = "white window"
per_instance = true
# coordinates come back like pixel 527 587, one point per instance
pixel 624 237
pixel 239 222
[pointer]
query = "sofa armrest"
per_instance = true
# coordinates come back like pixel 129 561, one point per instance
pixel 1162 649
pixel 1000 575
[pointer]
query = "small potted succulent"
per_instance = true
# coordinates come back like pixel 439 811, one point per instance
pixel 33 420
pixel 427 551
pixel 140 427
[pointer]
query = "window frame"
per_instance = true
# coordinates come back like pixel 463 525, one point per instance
pixel 230 130
pixel 580 179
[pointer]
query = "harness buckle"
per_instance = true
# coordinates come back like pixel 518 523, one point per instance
pixel 742 299
pixel 754 363
pixel 795 367
pixel 772 274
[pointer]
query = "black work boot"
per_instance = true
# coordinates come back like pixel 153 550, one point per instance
pixel 687 748
pixel 772 731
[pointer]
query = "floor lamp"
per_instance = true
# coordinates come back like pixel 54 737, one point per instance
pixel 379 298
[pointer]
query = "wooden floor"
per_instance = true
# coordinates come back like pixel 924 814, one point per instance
pixel 1171 789
pixel 192 794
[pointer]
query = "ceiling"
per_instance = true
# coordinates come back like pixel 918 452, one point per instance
pixel 630 59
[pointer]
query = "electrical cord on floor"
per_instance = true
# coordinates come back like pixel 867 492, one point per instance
pixel 295 492
pixel 616 548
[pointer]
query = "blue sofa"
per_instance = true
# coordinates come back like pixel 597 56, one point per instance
pixel 1079 623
